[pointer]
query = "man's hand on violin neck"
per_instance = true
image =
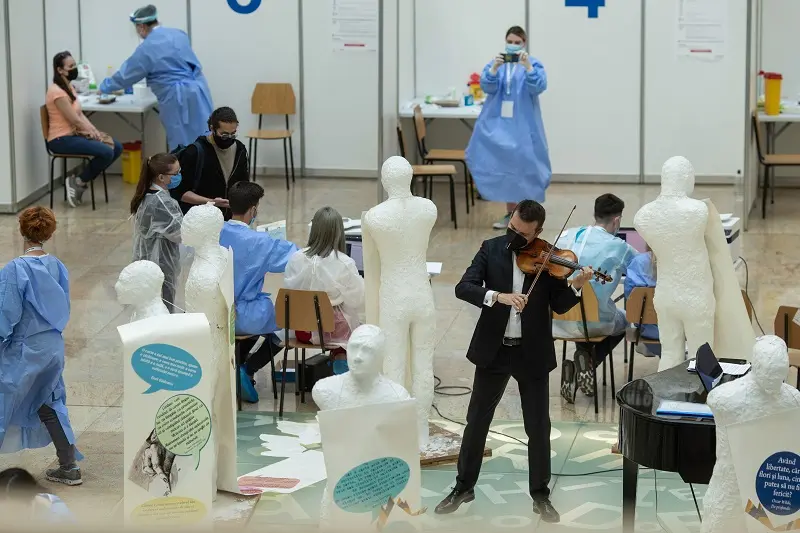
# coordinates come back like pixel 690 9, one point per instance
pixel 582 277
pixel 517 301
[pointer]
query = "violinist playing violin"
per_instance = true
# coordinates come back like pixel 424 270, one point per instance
pixel 517 293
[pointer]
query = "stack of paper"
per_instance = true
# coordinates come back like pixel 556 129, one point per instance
pixel 699 410
pixel 729 369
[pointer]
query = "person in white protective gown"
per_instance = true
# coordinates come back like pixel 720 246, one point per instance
pixel 157 221
pixel 325 266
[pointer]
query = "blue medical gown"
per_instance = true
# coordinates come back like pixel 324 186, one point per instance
pixel 612 255
pixel 176 77
pixel 34 310
pixel 508 157
pixel 640 274
pixel 255 254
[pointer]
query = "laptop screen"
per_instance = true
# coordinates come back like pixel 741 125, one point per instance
pixel 632 237
pixel 708 368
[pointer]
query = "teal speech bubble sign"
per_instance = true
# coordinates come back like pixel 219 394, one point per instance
pixel 368 486
pixel 166 367
pixel 183 426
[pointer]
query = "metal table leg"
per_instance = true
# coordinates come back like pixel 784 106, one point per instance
pixel 630 479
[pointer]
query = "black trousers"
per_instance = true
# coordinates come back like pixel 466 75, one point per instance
pixel 602 348
pixel 64 450
pixel 487 389
pixel 263 356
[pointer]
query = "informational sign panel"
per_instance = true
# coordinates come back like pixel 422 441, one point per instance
pixel 168 447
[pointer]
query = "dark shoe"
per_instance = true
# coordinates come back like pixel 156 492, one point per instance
pixel 585 372
pixel 547 511
pixel 68 475
pixel 454 501
pixel 568 388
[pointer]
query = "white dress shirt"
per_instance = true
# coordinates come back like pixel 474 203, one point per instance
pixel 514 326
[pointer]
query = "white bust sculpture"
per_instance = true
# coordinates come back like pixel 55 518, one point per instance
pixel 397 289
pixel 674 226
pixel 200 229
pixel 139 285
pixel 762 392
pixel 362 385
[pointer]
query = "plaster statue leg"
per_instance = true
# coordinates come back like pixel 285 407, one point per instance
pixel 423 341
pixel 722 503
pixel 699 330
pixel 673 339
pixel 395 366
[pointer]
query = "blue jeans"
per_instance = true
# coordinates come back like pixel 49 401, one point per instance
pixel 102 154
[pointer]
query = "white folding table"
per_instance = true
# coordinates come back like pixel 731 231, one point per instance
pixel 124 105
pixel 466 114
pixel 775 125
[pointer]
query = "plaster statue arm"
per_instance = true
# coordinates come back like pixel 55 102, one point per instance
pixel 562 296
pixel 372 275
pixel 470 288
pixel 536 78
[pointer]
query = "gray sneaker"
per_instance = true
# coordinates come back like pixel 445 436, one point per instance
pixel 68 475
pixel 74 191
pixel 502 223
pixel 79 190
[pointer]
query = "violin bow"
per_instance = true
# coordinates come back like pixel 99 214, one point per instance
pixel 549 253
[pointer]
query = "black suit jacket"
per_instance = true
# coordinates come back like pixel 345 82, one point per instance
pixel 492 269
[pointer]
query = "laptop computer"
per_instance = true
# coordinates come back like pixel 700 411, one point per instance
pixel 632 237
pixel 708 368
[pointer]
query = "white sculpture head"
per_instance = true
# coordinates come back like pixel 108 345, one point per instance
pixel 365 351
pixel 396 176
pixel 139 283
pixel 770 363
pixel 201 226
pixel 677 177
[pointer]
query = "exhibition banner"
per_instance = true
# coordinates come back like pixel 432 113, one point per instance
pixel 766 457
pixel 168 447
pixel 372 461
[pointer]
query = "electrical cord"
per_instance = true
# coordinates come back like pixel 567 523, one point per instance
pixel 747 293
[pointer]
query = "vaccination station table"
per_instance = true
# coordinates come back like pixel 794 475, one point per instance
pixel 431 112
pixel 127 104
pixel 775 125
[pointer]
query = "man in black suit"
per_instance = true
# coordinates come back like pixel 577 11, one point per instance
pixel 513 338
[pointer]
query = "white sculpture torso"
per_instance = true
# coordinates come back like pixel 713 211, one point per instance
pixel 674 226
pixel 399 297
pixel 139 285
pixel 758 394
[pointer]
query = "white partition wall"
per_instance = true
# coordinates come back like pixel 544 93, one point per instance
pixel 62 21
pixel 591 107
pixel 7 184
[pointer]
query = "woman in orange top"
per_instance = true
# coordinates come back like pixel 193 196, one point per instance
pixel 71 132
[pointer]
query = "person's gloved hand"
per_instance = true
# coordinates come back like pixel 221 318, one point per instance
pixel 525 61
pixel 496 63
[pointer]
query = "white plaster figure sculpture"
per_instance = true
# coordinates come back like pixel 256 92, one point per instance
pixel 139 285
pixel 398 295
pixel 762 392
pixel 674 226
pixel 200 229
pixel 362 385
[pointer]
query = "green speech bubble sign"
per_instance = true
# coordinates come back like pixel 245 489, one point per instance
pixel 183 425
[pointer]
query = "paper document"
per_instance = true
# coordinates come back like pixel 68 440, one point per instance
pixel 730 369
pixel 702 29
pixel 684 409
pixel 285 477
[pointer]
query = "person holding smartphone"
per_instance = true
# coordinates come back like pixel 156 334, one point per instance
pixel 507 154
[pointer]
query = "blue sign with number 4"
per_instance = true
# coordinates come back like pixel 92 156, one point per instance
pixel 593 6
pixel 246 9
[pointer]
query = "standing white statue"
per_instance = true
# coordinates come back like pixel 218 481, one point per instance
pixel 398 295
pixel 139 285
pixel 692 304
pixel 200 229
pixel 362 385
pixel 762 392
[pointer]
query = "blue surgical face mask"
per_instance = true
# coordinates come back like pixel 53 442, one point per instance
pixel 174 181
pixel 514 48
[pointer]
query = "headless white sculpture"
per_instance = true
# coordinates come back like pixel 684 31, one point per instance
pixel 760 393
pixel 201 229
pixel 362 385
pixel 398 295
pixel 140 285
pixel 674 226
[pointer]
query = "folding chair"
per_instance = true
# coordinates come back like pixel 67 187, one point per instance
pixel 786 328
pixel 273 99
pixel 639 310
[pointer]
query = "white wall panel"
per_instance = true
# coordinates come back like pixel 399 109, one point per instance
pixel 6 174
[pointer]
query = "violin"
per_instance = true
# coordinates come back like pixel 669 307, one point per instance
pixel 539 255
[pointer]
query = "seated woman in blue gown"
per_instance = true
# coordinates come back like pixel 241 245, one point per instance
pixel 34 310
pixel 642 273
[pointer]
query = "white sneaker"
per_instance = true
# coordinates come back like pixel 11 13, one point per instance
pixel 72 191
pixel 502 223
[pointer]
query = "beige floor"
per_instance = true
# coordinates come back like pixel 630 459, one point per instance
pixel 95 246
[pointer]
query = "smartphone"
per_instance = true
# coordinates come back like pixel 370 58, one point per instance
pixel 510 58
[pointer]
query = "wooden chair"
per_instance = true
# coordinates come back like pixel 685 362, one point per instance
pixel 430 156
pixel 770 161
pixel 587 311
pixel 273 99
pixel 297 310
pixel 241 360
pixel 789 331
pixel 639 310
pixel 45 119
pixel 428 172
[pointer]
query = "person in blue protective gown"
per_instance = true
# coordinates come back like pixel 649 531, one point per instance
pixel 598 247
pixel 507 154
pixel 642 272
pixel 34 310
pixel 255 254
pixel 165 57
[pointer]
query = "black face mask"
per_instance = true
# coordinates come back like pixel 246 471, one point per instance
pixel 222 142
pixel 515 241
pixel 72 74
